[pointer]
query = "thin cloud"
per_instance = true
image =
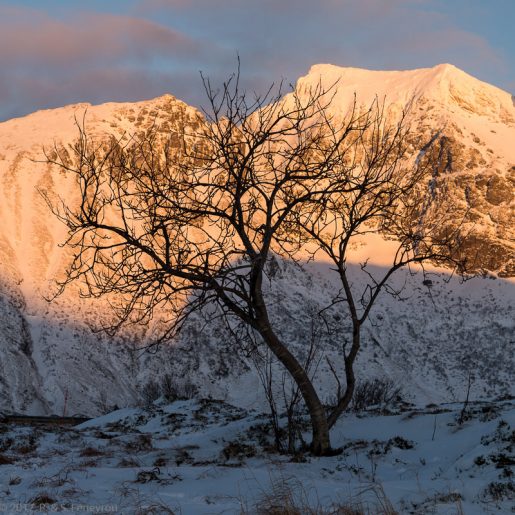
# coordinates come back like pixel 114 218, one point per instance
pixel 426 38
pixel 293 34
pixel 455 40
pixel 280 5
pixel 31 38
pixel 94 86
pixel 47 62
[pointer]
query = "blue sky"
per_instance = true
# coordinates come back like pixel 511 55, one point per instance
pixel 58 52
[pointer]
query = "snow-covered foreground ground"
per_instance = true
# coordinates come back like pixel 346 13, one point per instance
pixel 196 457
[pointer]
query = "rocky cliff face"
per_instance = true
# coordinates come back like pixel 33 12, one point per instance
pixel 472 124
pixel 48 352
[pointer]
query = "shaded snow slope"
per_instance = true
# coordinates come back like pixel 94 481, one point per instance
pixel 428 342
pixel 210 457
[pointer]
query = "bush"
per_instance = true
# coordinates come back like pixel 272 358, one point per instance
pixel 41 500
pixel 288 496
pixel 498 491
pixel 238 451
pixel 169 388
pixel 6 460
pixel 150 393
pixel 89 452
pixel 379 393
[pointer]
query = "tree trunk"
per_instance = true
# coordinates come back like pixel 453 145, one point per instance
pixel 320 444
pixel 344 402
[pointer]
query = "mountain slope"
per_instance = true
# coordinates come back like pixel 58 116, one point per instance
pixel 49 353
pixel 63 347
pixel 473 126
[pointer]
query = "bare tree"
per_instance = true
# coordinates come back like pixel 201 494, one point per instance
pixel 389 191
pixel 174 225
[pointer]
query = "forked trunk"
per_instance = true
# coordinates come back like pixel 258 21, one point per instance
pixel 321 444
pixel 344 402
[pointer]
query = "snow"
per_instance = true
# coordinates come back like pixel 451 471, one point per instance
pixel 200 457
pixel 481 108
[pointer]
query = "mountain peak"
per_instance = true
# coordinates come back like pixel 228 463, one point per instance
pixel 393 77
pixel 445 84
pixel 446 67
pixel 319 68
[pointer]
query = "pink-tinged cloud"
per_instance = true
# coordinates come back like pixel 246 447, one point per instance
pixel 48 62
pixel 281 5
pixel 32 38
pixel 431 39
pixel 447 39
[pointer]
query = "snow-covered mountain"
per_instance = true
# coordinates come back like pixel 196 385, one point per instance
pixel 473 124
pixel 47 349
pixel 50 359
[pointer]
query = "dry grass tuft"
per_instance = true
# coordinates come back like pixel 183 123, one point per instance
pixel 290 497
pixel 90 452
pixel 41 500
pixel 6 460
